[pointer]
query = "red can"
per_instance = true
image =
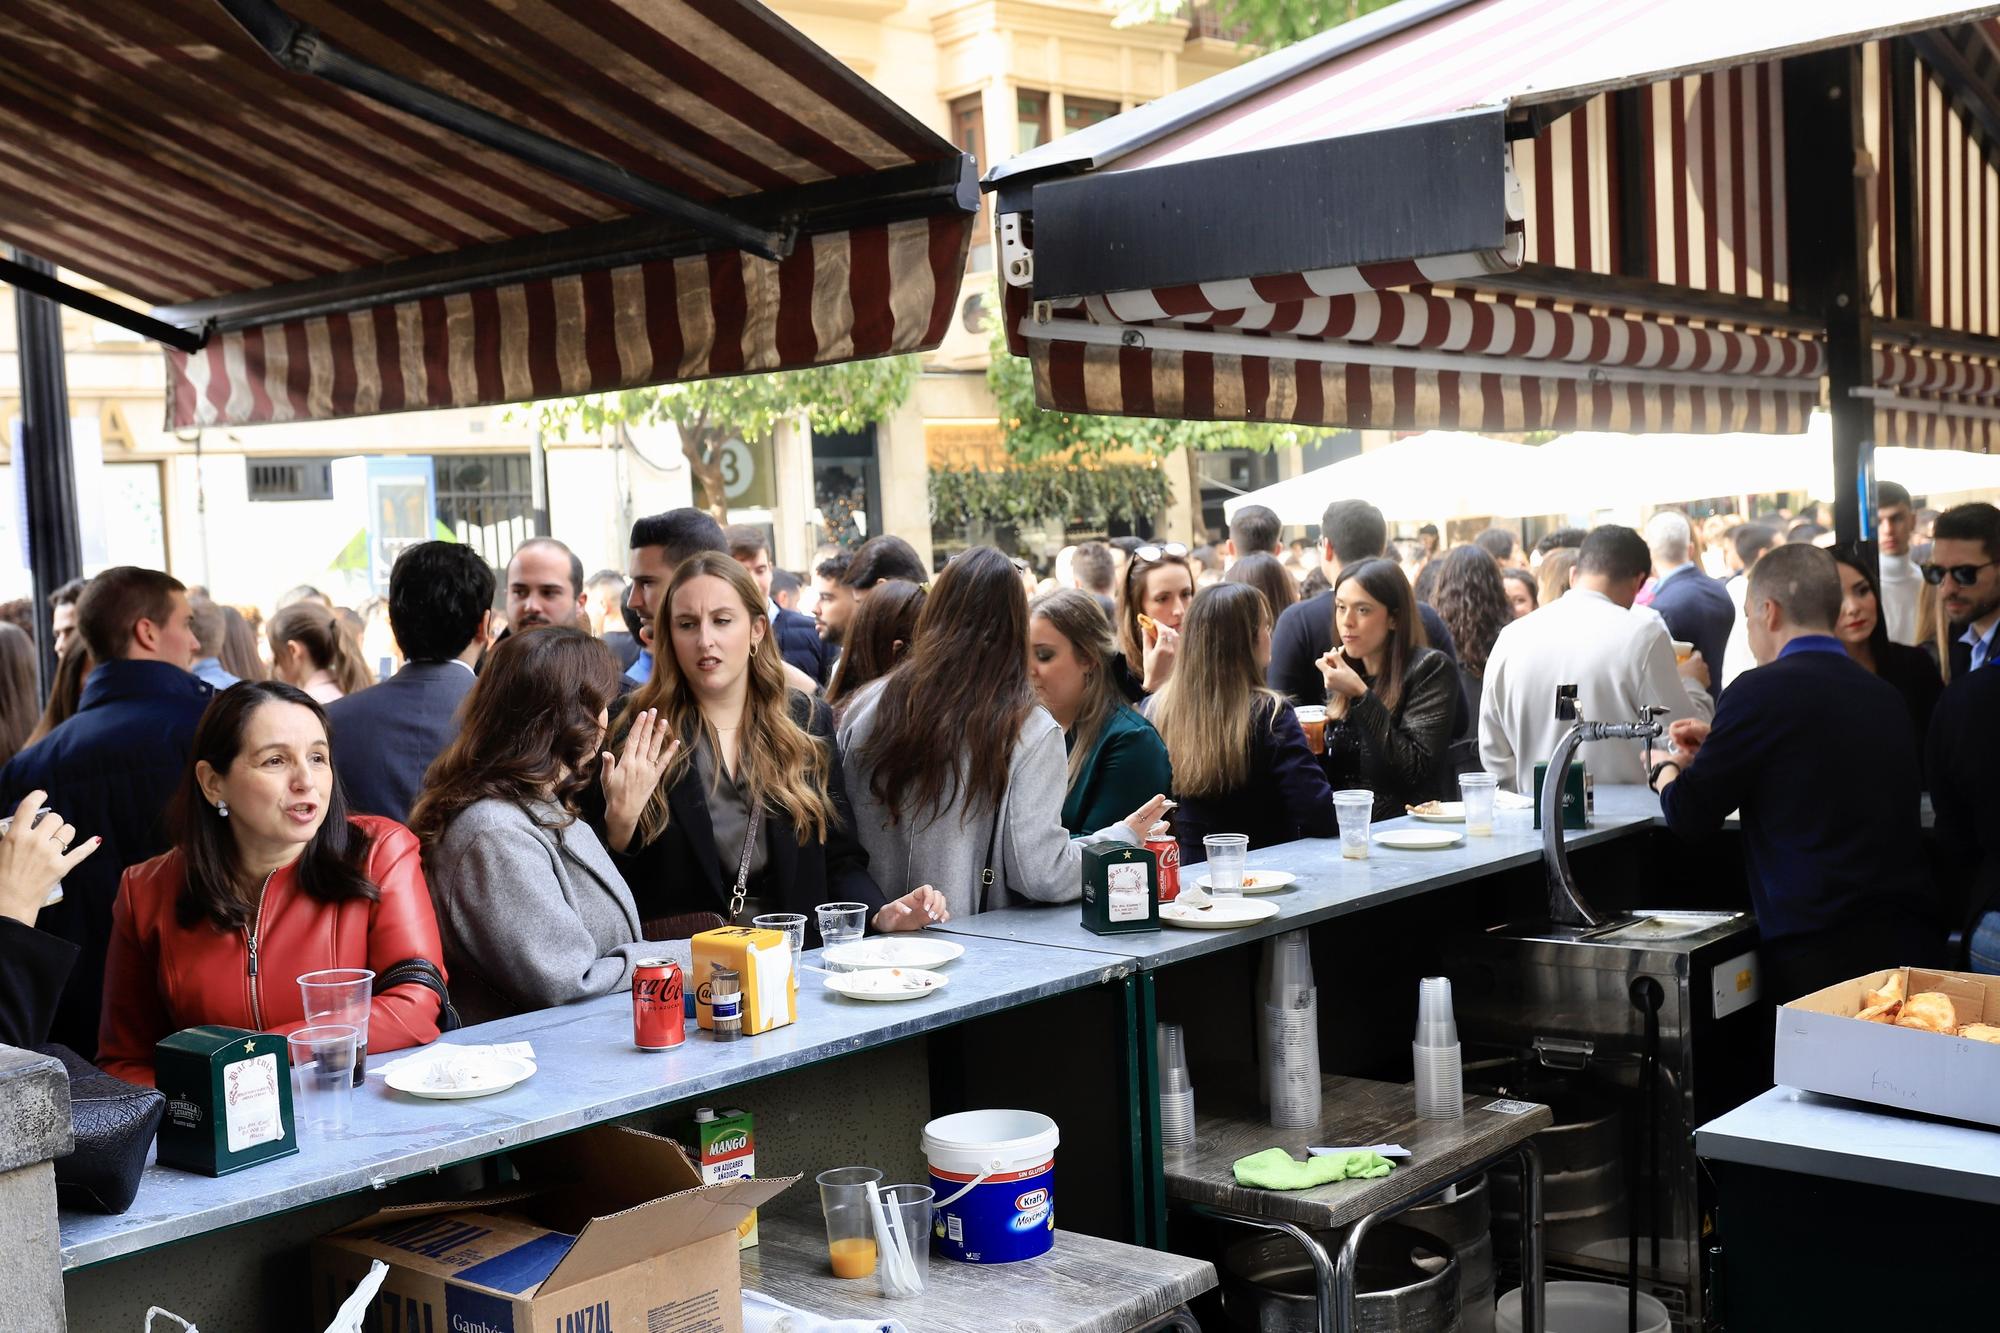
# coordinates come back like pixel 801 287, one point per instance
pixel 1167 848
pixel 658 1019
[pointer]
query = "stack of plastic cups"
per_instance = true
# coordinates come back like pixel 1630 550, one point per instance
pixel 1440 1072
pixel 1291 1021
pixel 1176 1091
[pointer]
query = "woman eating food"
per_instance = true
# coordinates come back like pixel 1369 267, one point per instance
pixel 1152 598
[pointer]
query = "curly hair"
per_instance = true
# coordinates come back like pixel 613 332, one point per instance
pixel 1472 602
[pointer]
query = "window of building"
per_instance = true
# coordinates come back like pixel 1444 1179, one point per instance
pixel 968 131
pixel 1031 119
pixel 1080 113
pixel 487 501
pixel 290 478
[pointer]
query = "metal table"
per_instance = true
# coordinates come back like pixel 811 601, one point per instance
pixel 1443 1153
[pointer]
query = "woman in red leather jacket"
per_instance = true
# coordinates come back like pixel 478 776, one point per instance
pixel 269 877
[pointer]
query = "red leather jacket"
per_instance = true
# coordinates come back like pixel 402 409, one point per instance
pixel 161 976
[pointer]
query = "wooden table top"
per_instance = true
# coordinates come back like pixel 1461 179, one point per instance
pixel 1083 1285
pixel 1354 1112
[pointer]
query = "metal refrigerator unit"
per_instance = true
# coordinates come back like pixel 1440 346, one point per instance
pixel 1558 1014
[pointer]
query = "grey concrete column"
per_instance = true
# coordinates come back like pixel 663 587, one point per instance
pixel 34 1131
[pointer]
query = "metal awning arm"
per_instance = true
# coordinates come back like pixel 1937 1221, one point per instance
pixel 302 49
pixel 28 279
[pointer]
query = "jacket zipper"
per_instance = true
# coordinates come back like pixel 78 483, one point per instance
pixel 256 1007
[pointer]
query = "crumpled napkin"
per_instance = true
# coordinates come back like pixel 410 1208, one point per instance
pixel 768 1314
pixel 1276 1169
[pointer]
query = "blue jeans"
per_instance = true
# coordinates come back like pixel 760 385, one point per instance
pixel 1986 944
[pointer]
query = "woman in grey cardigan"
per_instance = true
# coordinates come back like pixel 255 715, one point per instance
pixel 944 815
pixel 530 907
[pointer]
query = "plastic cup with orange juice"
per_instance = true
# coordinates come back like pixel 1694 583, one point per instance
pixel 850 1227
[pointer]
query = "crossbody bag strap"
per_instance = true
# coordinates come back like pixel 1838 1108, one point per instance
pixel 742 888
pixel 986 875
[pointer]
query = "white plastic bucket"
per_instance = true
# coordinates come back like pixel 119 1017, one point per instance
pixel 1583 1307
pixel 994 1173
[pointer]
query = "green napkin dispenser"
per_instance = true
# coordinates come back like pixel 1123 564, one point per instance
pixel 229 1099
pixel 1579 796
pixel 1121 889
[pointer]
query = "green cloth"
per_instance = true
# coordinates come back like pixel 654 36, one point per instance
pixel 1276 1169
pixel 1126 768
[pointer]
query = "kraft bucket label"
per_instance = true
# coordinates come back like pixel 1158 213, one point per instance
pixel 1001 1220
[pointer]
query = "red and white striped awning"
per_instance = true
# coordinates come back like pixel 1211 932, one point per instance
pixel 351 258
pixel 1930 399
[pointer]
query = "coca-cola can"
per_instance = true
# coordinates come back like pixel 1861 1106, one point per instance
pixel 1168 849
pixel 658 1016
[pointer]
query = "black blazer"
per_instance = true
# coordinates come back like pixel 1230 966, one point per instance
pixel 1965 792
pixel 385 737
pixel 683 870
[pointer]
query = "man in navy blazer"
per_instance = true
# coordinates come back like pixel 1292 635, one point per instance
pixel 798 637
pixel 385 737
pixel 1697 608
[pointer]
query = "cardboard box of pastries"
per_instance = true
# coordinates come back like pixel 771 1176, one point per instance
pixel 1906 1037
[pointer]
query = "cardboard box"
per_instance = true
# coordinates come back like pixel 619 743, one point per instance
pixel 610 1229
pixel 1822 1047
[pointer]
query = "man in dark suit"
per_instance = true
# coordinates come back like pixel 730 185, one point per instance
pixel 1697 608
pixel 1965 565
pixel 441 612
pixel 798 638
pixel 1835 854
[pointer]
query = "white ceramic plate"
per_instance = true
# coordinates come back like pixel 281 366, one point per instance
pixel 1448 812
pixel 914 950
pixel 1256 881
pixel 887 983
pixel 1221 914
pixel 1418 839
pixel 490 1074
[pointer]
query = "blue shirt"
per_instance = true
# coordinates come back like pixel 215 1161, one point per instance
pixel 641 669
pixel 210 670
pixel 1982 644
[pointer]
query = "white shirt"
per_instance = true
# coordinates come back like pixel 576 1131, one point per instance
pixel 1736 653
pixel 1902 584
pixel 1619 662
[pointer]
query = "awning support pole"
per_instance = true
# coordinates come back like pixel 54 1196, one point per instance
pixel 301 48
pixel 43 282
pixel 1828 238
pixel 47 469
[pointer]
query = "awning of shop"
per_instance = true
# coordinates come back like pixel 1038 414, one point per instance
pixel 344 256
pixel 1326 235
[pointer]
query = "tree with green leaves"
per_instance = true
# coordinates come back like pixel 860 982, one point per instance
pixel 707 414
pixel 1263 23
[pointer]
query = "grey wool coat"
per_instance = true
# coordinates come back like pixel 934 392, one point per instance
pixel 1034 857
pixel 532 912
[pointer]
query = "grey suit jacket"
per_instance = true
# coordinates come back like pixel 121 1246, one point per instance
pixel 385 736
pixel 533 915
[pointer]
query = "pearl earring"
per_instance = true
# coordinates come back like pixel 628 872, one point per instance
pixel 222 808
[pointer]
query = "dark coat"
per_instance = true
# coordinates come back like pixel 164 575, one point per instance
pixel 1304 634
pixel 1285 798
pixel 111 770
pixel 1127 767
pixel 33 967
pixel 799 643
pixel 386 736
pixel 1698 610
pixel 1399 755
pixel 1965 792
pixel 683 870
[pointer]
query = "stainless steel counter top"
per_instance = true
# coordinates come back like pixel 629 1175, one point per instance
pixel 1785 1129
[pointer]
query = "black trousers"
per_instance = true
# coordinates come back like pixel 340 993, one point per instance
pixel 1798 965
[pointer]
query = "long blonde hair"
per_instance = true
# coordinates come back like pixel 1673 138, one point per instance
pixel 1076 616
pixel 1207 709
pixel 783 764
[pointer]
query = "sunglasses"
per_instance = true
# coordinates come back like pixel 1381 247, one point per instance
pixel 1149 554
pixel 1963 575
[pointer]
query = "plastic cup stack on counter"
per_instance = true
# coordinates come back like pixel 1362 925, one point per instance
pixel 1440 1073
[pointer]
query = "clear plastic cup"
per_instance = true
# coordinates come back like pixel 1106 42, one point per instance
pixel 1354 808
pixel 323 1062
pixel 850 1223
pixel 1225 853
pixel 1437 1025
pixel 341 995
pixel 794 926
pixel 841 923
pixel 906 1210
pixel 1476 790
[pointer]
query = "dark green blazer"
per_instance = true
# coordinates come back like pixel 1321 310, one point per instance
pixel 1127 767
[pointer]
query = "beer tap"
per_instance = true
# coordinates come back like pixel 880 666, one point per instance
pixel 1566 905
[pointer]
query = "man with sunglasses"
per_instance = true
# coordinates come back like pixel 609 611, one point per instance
pixel 1965 568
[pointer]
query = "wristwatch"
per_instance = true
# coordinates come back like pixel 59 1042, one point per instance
pixel 1653 774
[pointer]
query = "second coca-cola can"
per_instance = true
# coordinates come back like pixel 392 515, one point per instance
pixel 658 1019
pixel 1164 846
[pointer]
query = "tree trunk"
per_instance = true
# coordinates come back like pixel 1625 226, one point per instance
pixel 702 447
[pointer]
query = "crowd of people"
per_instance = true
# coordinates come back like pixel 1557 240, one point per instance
pixel 546 777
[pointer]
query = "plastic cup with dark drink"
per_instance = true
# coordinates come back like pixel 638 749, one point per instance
pixel 341 995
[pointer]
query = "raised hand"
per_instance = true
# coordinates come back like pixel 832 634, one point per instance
pixel 630 776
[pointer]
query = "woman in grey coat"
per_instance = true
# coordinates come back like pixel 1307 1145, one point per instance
pixel 982 821
pixel 530 907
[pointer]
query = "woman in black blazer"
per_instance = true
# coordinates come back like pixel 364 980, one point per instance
pixel 728 797
pixel 1862 631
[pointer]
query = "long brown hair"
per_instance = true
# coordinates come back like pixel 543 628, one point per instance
pixel 239 647
pixel 327 641
pixel 967 673
pixel 1384 582
pixel 1471 599
pixel 1207 709
pixel 1076 616
pixel 216 887
pixel 528 727
pixel 1131 599
pixel 65 692
pixel 1267 575
pixel 783 765
pixel 884 619
pixel 18 711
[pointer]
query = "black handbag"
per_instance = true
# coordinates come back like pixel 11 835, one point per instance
pixel 114 1123
pixel 422 972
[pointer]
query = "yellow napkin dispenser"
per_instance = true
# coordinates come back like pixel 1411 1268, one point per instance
pixel 762 962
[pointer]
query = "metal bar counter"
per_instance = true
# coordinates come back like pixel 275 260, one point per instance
pixel 1785 1129
pixel 588 1072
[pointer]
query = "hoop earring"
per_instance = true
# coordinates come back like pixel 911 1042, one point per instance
pixel 222 809
pixel 753 652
